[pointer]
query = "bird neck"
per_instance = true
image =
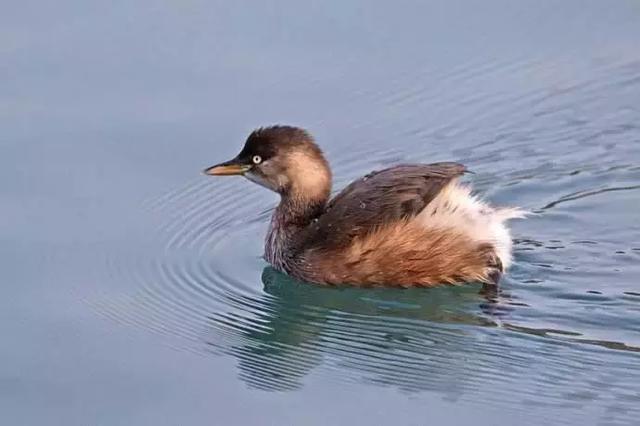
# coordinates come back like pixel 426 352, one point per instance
pixel 297 211
pixel 294 213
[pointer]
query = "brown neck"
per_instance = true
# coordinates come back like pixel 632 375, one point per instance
pixel 298 211
pixel 293 214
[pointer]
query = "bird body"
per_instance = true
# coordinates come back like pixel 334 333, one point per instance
pixel 408 225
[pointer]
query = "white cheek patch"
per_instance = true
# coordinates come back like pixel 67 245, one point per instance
pixel 274 182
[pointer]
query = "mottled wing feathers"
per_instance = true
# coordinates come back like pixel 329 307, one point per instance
pixel 379 198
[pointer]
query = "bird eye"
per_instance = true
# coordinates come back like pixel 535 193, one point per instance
pixel 257 159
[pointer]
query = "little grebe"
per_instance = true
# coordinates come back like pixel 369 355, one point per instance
pixel 408 225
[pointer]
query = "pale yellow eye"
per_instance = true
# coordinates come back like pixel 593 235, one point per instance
pixel 257 159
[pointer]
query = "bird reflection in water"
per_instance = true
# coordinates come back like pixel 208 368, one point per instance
pixel 411 339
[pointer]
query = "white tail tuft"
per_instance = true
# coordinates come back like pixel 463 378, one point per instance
pixel 454 207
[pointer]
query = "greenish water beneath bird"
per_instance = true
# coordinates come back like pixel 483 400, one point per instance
pixel 134 288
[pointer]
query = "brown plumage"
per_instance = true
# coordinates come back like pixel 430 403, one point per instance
pixel 409 225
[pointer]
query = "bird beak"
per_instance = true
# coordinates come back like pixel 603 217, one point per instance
pixel 228 168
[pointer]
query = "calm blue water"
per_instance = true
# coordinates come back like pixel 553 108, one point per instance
pixel 134 291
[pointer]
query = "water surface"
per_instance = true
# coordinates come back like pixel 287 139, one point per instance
pixel 135 291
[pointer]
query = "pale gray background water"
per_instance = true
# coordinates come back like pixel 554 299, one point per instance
pixel 133 289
